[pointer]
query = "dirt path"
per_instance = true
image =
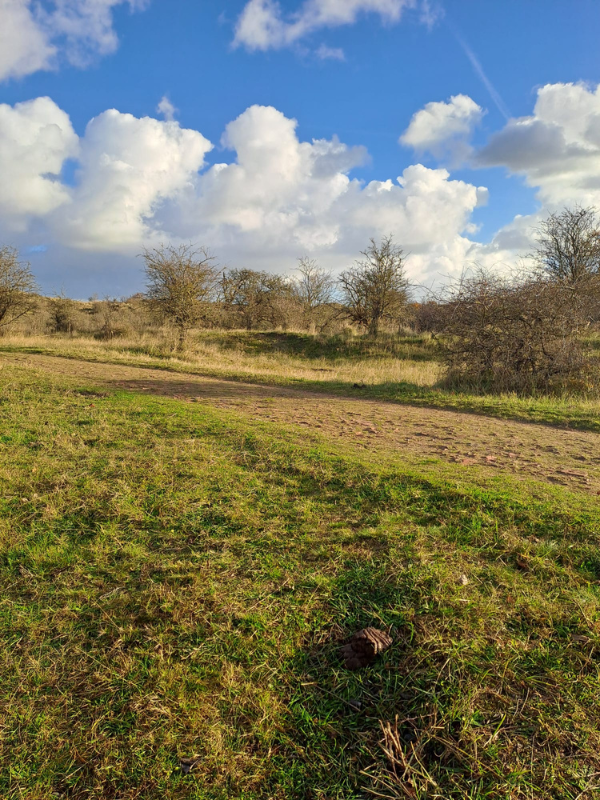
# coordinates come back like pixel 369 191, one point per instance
pixel 571 458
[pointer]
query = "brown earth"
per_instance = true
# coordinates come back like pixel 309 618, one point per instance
pixel 528 450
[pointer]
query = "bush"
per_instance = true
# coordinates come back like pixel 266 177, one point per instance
pixel 426 317
pixel 63 313
pixel 523 336
pixel 17 287
pixel 375 290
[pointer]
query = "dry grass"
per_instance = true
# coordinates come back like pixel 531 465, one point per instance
pixel 225 354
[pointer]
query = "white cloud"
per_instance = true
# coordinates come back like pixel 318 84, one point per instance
pixel 128 168
pixel 557 148
pixel 166 109
pixel 444 128
pixel 262 24
pixel 35 37
pixel 141 181
pixel 35 139
pixel 326 53
pixel 24 46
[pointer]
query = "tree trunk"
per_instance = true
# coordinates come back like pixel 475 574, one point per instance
pixel 374 327
pixel 181 339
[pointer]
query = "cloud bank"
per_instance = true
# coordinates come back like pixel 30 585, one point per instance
pixel 142 181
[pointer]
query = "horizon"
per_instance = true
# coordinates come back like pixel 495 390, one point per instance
pixel 296 128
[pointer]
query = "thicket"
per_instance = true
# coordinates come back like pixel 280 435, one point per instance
pixel 523 335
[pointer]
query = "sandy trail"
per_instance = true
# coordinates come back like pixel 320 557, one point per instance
pixel 529 450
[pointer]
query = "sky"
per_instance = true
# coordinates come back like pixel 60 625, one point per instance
pixel 267 131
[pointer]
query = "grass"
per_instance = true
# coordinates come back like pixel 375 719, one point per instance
pixel 176 581
pixel 400 369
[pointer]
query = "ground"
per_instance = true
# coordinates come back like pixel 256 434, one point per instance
pixel 182 556
pixel 542 452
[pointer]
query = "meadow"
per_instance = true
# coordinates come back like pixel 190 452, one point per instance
pixel 187 540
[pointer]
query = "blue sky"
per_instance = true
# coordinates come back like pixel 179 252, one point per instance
pixel 358 70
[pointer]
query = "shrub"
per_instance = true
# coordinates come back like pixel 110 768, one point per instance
pixel 63 313
pixel 180 284
pixel 17 287
pixel 375 290
pixel 523 336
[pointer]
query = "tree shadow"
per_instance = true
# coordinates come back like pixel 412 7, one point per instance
pixel 334 347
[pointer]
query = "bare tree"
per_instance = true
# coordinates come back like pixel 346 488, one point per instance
pixel 252 298
pixel 17 286
pixel 569 245
pixel 180 282
pixel 314 287
pixel 376 289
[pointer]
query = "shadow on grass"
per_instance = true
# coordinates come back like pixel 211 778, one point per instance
pixel 530 410
pixel 539 410
pixel 335 347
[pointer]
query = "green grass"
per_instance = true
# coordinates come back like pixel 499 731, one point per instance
pixel 176 581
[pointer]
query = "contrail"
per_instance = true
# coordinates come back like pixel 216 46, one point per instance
pixel 476 64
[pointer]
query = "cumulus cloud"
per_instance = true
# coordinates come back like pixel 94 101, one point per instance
pixel 128 168
pixel 35 36
pixel 444 128
pixel 262 24
pixel 142 181
pixel 36 137
pixel 282 196
pixel 557 148
pixel 24 46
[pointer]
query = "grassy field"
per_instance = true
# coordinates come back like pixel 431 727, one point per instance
pixel 177 579
pixel 401 369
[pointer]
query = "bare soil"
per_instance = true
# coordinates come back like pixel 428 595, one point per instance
pixel 527 450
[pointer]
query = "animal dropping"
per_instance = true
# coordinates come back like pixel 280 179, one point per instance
pixel 186 765
pixel 364 646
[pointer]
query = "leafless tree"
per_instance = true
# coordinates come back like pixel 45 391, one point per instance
pixel 376 289
pixel 252 298
pixel 314 287
pixel 568 245
pixel 180 282
pixel 17 287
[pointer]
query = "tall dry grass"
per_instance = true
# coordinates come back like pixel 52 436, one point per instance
pixel 220 353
